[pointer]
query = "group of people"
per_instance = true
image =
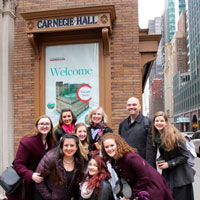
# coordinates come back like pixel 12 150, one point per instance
pixel 77 161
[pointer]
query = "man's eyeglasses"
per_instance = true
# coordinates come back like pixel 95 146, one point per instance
pixel 44 124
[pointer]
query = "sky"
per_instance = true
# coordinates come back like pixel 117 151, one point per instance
pixel 149 9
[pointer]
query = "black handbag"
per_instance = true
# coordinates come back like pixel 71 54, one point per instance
pixel 11 181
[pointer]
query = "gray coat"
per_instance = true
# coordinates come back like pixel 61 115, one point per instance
pixel 179 173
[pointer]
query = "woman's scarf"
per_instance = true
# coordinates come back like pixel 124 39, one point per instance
pixel 97 131
pixel 85 192
pixel 67 129
pixel 158 140
pixel 83 146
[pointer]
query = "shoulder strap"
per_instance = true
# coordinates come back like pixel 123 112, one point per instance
pixel 146 123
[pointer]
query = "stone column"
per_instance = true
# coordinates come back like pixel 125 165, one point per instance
pixel 7 17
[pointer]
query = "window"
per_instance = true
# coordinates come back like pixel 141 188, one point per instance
pixel 179 41
pixel 179 49
pixel 180 58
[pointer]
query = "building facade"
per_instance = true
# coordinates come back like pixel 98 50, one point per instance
pixel 188 97
pixel 169 20
pixel 175 63
pixel 7 19
pixel 156 96
pixel 181 6
pixel 156 101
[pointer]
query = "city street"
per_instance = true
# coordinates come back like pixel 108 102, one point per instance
pixel 196 184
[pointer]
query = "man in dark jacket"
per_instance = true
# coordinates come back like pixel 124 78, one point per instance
pixel 137 131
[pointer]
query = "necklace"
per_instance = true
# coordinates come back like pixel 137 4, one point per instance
pixel 68 162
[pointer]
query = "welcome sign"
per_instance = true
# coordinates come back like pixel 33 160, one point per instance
pixel 72 79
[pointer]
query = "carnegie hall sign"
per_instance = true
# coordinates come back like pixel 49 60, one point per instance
pixel 98 17
pixel 66 21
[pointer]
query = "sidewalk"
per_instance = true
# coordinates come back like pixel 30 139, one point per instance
pixel 196 184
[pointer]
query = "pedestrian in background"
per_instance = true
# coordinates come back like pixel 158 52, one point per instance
pixel 137 131
pixel 62 169
pixel 95 185
pixel 31 149
pixel 142 179
pixel 173 157
pixel 66 123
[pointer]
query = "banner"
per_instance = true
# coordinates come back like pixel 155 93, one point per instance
pixel 72 80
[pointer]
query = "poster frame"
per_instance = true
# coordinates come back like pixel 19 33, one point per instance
pixel 104 77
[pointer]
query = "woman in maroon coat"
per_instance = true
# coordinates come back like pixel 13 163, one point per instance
pixel 144 180
pixel 62 169
pixel 30 151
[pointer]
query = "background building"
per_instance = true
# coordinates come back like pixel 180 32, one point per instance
pixel 188 94
pixel 156 74
pixel 169 20
pixel 156 96
pixel 181 6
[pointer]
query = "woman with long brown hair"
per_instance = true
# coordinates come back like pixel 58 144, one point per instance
pixel 143 180
pixel 66 123
pixel 62 169
pixel 95 185
pixel 31 149
pixel 173 157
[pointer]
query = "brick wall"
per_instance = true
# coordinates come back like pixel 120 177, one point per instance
pixel 124 59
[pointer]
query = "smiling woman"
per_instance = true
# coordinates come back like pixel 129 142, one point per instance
pixel 62 169
pixel 174 153
pixel 31 149
pixel 66 123
pixel 97 120
pixel 137 173
pixel 95 185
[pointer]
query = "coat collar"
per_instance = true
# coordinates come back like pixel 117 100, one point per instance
pixel 34 144
pixel 137 120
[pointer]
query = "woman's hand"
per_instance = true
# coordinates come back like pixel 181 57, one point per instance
pixel 37 178
pixel 163 165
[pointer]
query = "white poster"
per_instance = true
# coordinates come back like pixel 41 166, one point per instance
pixel 72 80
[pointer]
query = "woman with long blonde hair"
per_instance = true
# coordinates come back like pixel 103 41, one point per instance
pixel 173 157
pixel 81 131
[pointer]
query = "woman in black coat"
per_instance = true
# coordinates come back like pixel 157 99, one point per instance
pixel 95 185
pixel 97 119
pixel 173 157
pixel 66 123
